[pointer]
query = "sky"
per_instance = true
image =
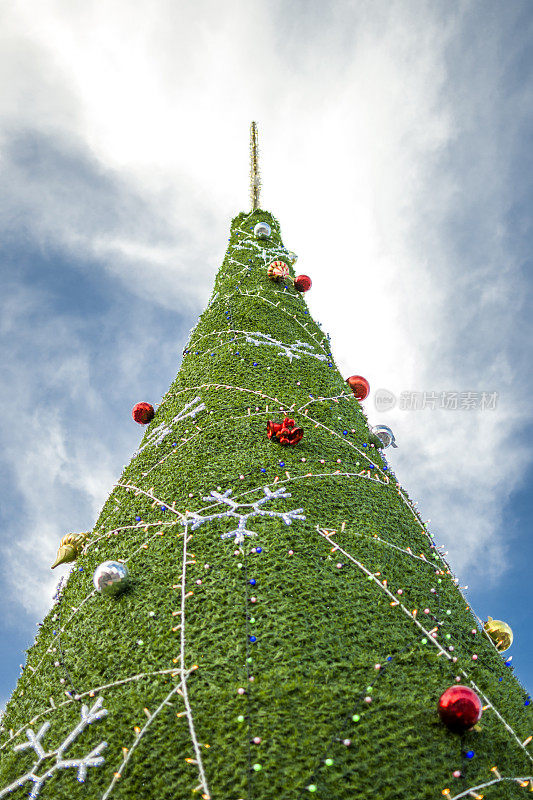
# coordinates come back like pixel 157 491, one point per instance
pixel 395 143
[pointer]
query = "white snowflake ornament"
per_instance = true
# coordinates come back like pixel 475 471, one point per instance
pixel 92 759
pixel 290 350
pixel 256 511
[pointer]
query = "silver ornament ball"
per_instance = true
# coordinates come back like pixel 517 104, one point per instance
pixel 385 434
pixel 262 230
pixel 111 578
pixel 293 258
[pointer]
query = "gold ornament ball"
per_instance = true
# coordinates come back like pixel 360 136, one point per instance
pixel 500 633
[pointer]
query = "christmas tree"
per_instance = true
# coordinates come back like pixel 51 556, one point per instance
pixel 276 620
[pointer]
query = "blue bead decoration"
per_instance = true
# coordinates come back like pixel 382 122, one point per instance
pixel 262 469
pixel 253 639
pixel 138 519
pixel 252 581
pixel 282 463
pixel 163 508
pixel 469 754
pixel 345 433
pixel 258 549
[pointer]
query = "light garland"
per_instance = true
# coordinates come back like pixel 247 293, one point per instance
pixel 139 735
pixel 472 790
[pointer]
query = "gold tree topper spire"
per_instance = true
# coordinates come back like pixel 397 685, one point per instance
pixel 255 179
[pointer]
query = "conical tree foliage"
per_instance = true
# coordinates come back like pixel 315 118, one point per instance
pixel 289 626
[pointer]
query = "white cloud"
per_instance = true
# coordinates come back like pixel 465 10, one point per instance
pixel 64 453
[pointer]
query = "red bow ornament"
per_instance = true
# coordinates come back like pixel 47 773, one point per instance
pixel 284 432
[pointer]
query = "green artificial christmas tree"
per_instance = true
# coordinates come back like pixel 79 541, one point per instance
pixel 276 621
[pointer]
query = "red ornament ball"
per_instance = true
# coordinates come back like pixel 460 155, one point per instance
pixel 359 386
pixel 302 283
pixel 459 708
pixel 143 413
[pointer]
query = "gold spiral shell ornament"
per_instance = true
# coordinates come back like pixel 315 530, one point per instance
pixel 70 548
